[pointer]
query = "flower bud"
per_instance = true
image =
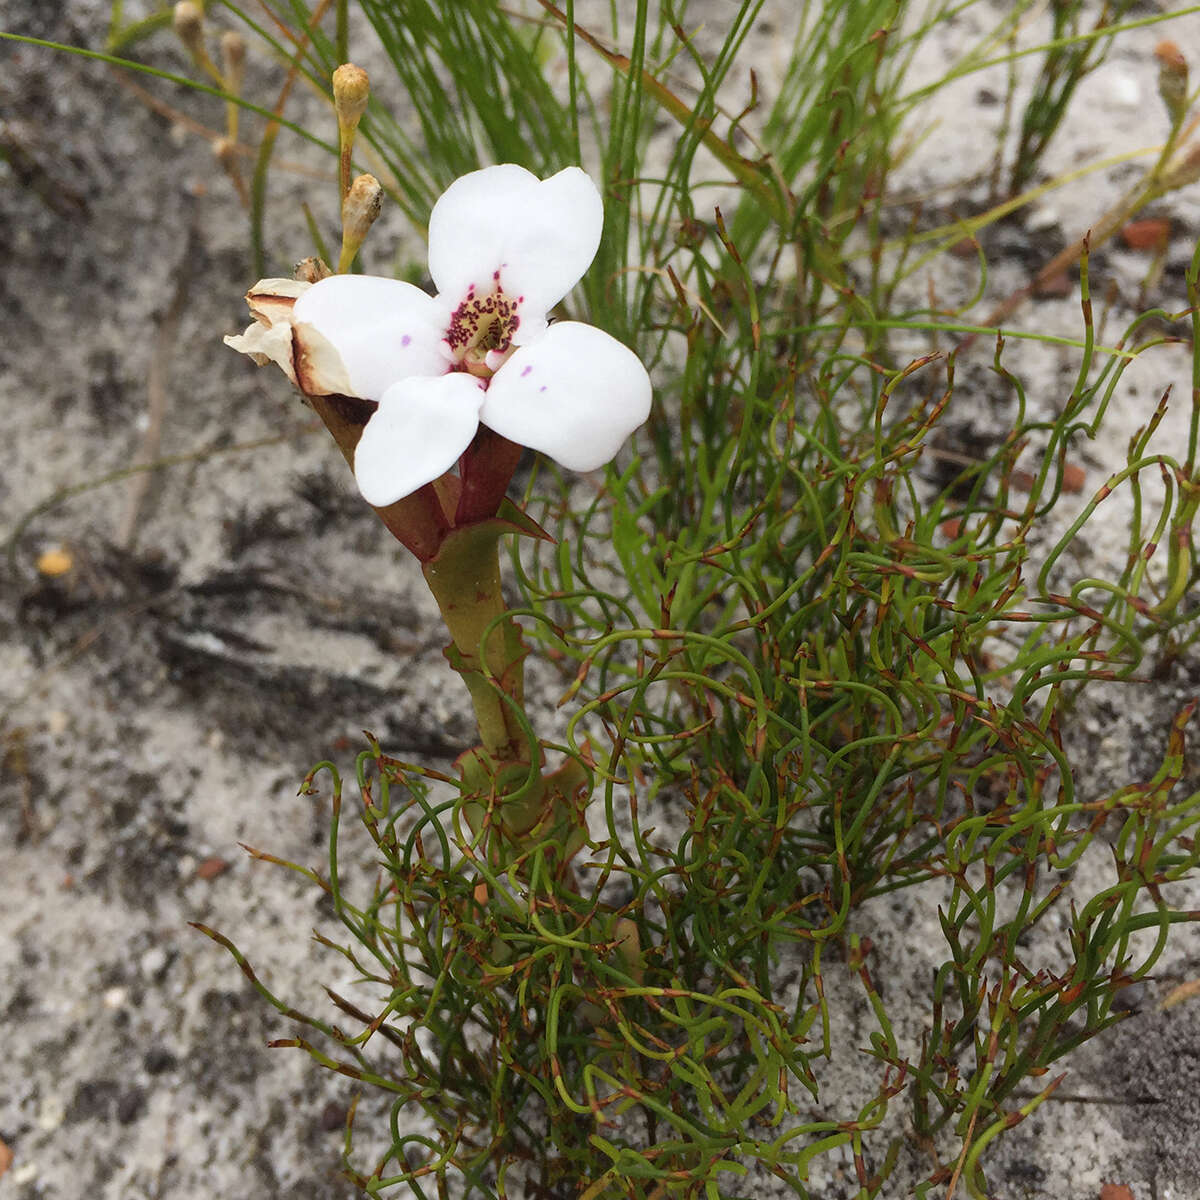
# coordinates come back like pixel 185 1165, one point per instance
pixel 225 152
pixel 1183 169
pixel 361 206
pixel 189 26
pixel 359 210
pixel 233 60
pixel 1172 80
pixel 351 90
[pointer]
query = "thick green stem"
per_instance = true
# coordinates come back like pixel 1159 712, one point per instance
pixel 464 577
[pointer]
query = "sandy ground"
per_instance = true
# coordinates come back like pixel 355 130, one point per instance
pixel 243 617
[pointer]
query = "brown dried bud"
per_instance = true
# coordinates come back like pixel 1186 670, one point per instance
pixel 1172 80
pixel 351 90
pixel 233 60
pixel 311 270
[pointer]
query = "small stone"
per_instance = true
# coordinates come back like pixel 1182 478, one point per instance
pixel 211 867
pixel 1042 218
pixel 115 997
pixel 1125 89
pixel 1073 478
pixel 1151 233
pixel 1054 287
pixel 1131 998
pixel 6 1157
pixel 153 961
pixel 50 1115
pixel 1116 1191
pixel 54 562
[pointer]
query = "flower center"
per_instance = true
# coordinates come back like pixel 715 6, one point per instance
pixel 481 326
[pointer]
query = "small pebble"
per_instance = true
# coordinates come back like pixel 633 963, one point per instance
pixel 1150 233
pixel 54 562
pixel 1042 217
pixel 51 1114
pixel 211 867
pixel 1124 89
pixel 153 961
pixel 1131 998
pixel 1073 478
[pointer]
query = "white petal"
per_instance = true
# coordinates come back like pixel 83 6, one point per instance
pixel 466 227
pixel 308 359
pixel 271 300
pixel 269 339
pixel 384 330
pixel 416 435
pixel 576 394
pixel 319 370
pixel 540 235
pixel 264 344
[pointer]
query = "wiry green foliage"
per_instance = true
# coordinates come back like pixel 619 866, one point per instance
pixel 824 673
pixel 1068 60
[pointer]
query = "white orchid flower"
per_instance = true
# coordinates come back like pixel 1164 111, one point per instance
pixel 504 248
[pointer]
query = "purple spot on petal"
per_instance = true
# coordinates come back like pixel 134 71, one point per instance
pixel 542 388
pixel 525 372
pixel 405 340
